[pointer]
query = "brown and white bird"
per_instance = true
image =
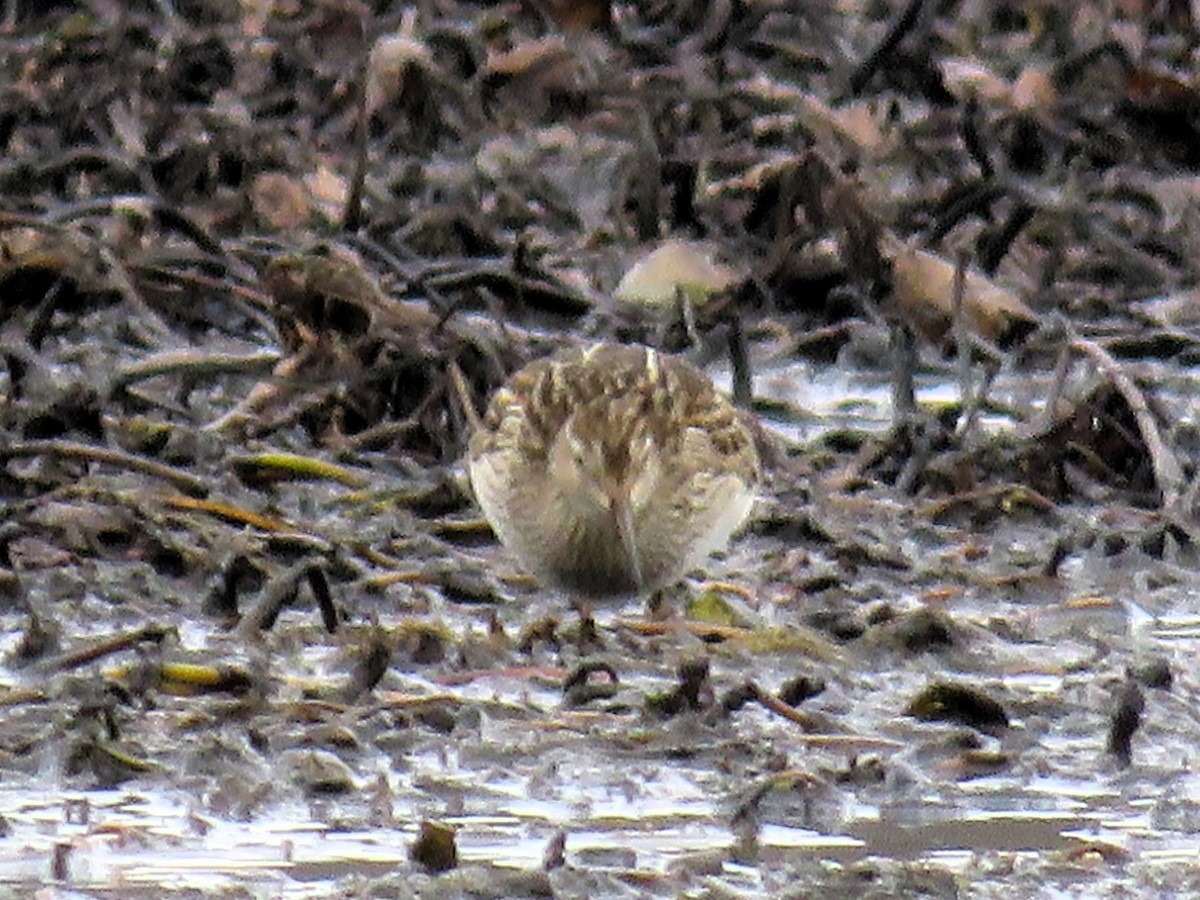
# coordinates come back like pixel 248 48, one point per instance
pixel 612 470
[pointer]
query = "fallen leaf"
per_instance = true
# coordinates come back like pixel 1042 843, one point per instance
pixel 280 201
pixel 675 266
pixel 923 286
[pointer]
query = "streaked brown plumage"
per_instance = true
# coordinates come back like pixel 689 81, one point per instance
pixel 612 470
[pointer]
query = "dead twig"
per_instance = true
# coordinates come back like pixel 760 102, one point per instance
pixel 739 357
pixel 858 742
pixel 82 656
pixel 904 23
pixel 192 363
pixel 1168 475
pixel 904 365
pixel 962 344
pixel 1044 419
pixel 185 481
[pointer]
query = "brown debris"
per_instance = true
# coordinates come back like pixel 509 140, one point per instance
pixel 262 264
pixel 946 702
pixel 434 847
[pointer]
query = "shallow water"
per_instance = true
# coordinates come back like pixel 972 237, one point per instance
pixel 653 803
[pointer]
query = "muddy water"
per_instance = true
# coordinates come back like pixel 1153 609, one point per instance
pixel 652 807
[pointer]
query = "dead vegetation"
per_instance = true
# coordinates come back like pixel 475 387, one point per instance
pixel 244 247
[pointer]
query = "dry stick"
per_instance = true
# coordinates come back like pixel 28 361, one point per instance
pixel 383 433
pixel 194 364
pixel 82 656
pixel 962 341
pixel 904 362
pixel 1167 473
pixel 44 314
pixel 265 391
pixel 352 214
pixel 971 415
pixel 739 359
pixel 920 452
pixel 464 397
pixel 903 24
pixel 163 215
pixel 22 696
pixel 647 177
pixel 486 275
pixel 687 314
pixel 279 592
pixel 257 305
pixel 318 583
pixel 185 481
pixel 1058 384
pixel 777 706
